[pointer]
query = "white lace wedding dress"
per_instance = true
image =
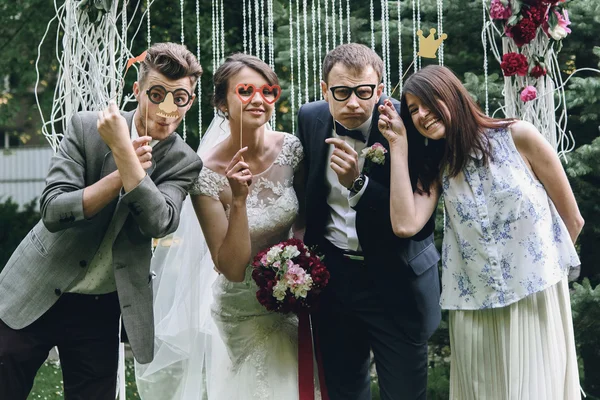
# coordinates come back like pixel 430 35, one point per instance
pixel 262 345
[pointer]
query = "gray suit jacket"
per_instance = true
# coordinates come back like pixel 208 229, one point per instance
pixel 64 242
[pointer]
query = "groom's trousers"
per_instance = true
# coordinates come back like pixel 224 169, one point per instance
pixel 85 329
pixel 354 319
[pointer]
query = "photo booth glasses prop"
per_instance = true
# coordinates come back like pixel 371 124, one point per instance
pixel 343 93
pixel 157 95
pixel 269 93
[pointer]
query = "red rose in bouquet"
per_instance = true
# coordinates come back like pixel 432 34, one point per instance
pixel 289 276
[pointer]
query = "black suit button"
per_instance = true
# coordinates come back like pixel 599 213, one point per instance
pixel 82 263
pixel 57 292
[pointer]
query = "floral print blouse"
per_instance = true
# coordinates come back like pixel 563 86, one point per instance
pixel 503 237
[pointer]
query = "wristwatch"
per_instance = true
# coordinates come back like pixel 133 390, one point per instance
pixel 358 184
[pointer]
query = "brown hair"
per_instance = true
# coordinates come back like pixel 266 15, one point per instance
pixel 172 60
pixel 465 124
pixel 353 56
pixel 232 65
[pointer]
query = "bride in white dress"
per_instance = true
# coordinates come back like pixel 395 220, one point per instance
pixel 213 339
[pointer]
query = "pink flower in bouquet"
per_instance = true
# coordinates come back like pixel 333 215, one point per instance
pixel 499 11
pixel 537 71
pixel 289 277
pixel 514 64
pixel 560 30
pixel 529 93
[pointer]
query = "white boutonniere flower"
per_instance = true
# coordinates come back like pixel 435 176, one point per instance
pixel 374 154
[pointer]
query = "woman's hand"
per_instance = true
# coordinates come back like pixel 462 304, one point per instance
pixel 390 124
pixel 239 176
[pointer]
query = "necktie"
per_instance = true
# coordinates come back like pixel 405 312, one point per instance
pixel 354 134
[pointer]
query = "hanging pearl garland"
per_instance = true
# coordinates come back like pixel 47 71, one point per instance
pixel 182 42
pixel 414 18
pixel 249 26
pixel 271 53
pixel 320 56
pixel 383 44
pixel 485 59
pixel 262 30
pixel 298 52
pixel 341 23
pixel 148 39
pixel 333 25
pixel 292 92
pixel 304 7
pixel 257 43
pixel 244 27
pixel 440 14
pixel 372 19
pixel 199 83
pixel 327 26
pixel 348 21
pixel 419 25
pixel 314 48
pixel 400 72
pixel 222 24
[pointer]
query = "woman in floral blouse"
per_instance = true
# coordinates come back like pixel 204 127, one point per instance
pixel 511 221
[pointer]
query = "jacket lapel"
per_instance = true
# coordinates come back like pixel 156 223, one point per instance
pixel 375 136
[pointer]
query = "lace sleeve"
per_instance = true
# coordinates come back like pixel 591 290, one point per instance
pixel 208 183
pixel 292 152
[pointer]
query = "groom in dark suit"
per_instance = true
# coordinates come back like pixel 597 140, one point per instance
pixel 384 291
pixel 117 181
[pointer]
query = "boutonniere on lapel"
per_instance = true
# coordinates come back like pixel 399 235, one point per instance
pixel 374 154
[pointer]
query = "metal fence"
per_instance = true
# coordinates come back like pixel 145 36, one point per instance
pixel 23 172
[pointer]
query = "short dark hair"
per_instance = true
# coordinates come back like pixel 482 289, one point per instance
pixel 172 60
pixel 353 56
pixel 232 65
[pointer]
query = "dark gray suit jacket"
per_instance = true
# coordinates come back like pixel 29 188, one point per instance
pixel 63 243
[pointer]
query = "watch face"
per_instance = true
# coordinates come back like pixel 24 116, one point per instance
pixel 358 184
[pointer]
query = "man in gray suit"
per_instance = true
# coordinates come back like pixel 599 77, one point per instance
pixel 117 181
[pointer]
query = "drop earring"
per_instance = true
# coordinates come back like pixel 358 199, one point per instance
pixel 426 141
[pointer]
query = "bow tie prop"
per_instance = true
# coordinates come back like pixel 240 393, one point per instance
pixel 340 130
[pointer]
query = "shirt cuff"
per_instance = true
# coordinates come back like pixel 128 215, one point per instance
pixel 354 198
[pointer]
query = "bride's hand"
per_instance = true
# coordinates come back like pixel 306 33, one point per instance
pixel 239 176
pixel 390 124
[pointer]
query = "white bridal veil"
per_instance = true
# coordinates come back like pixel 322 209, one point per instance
pixel 190 360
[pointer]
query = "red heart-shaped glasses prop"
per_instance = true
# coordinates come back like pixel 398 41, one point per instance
pixel 269 93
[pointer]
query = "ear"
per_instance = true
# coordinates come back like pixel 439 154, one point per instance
pixel 324 91
pixel 379 91
pixel 187 108
pixel 136 90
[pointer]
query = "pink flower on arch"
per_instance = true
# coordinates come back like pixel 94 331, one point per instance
pixel 498 11
pixel 529 93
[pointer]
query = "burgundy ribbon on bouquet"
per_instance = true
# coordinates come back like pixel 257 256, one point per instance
pixel 306 374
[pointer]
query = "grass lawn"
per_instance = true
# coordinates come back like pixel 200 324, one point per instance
pixel 48 383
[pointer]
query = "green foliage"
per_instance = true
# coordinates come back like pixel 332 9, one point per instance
pixel 583 171
pixel 585 305
pixel 17 224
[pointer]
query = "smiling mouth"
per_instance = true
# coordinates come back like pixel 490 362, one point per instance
pixel 168 116
pixel 431 123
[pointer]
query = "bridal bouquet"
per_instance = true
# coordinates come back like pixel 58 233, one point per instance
pixel 289 277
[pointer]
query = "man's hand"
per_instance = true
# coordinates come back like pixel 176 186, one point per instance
pixel 112 127
pixel 344 161
pixel 143 151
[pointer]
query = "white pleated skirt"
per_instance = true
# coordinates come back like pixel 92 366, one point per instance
pixel 524 351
